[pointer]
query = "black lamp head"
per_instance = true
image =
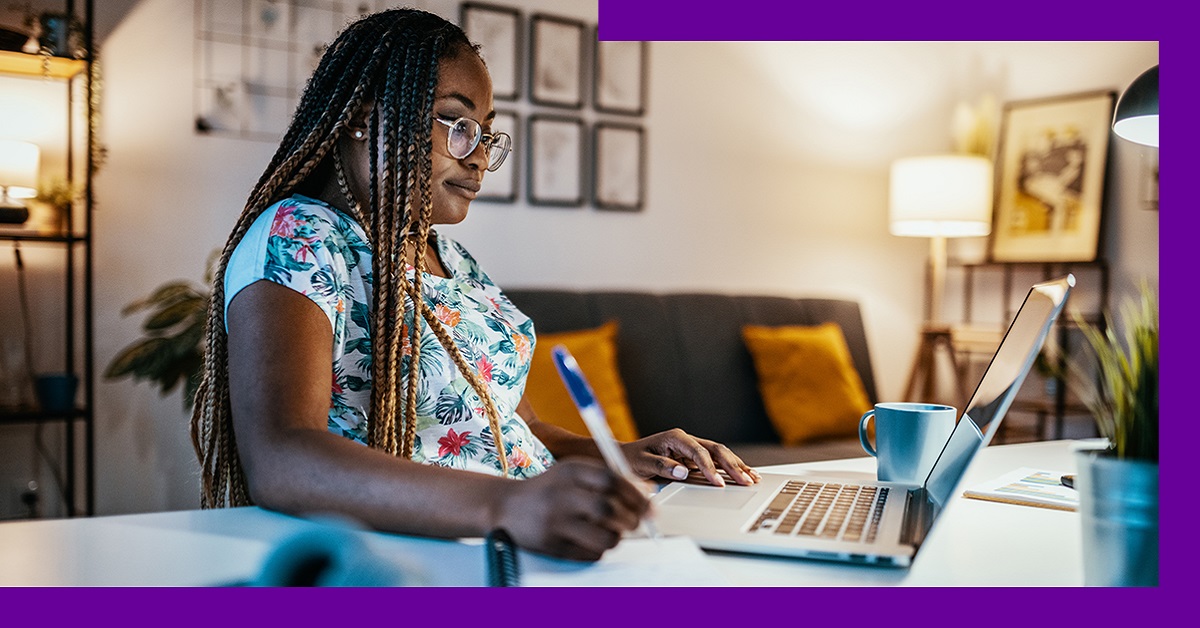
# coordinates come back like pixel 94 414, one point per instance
pixel 1136 117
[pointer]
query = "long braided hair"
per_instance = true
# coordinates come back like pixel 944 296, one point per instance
pixel 390 59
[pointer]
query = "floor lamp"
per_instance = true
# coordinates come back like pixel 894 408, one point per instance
pixel 939 197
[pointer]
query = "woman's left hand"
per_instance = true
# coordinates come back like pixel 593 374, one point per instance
pixel 670 454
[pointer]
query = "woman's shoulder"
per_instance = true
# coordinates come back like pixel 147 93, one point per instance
pixel 302 216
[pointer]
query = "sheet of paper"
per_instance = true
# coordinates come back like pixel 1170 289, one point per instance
pixel 1029 487
pixel 635 562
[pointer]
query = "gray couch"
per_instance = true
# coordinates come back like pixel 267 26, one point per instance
pixel 684 364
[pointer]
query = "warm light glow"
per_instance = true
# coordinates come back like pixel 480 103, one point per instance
pixel 19 168
pixel 944 195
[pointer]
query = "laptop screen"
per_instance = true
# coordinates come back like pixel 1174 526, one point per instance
pixel 999 385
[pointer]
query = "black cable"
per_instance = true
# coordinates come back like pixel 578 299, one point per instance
pixel 23 301
pixel 26 329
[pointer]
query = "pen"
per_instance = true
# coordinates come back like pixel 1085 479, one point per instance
pixel 597 424
pixel 1067 481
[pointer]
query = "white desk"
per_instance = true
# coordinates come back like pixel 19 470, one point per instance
pixel 973 543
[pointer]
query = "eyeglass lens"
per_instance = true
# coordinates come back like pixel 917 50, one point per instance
pixel 465 134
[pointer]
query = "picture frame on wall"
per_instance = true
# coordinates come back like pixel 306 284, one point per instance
pixel 556 161
pixel 497 30
pixel 619 181
pixel 1051 168
pixel 556 61
pixel 619 77
pixel 501 186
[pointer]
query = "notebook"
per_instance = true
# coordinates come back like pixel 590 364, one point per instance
pixel 876 523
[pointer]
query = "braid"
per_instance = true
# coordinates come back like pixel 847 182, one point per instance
pixel 414 172
pixel 391 59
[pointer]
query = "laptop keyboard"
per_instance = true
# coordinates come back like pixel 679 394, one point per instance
pixel 847 512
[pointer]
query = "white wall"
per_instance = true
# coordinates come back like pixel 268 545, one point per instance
pixel 767 174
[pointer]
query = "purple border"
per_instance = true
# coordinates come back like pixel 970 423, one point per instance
pixel 779 20
pixel 791 20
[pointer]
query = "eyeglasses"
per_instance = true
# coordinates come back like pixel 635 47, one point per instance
pixel 465 134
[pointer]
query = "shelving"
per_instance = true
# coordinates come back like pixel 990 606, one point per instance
pixel 75 268
pixel 58 68
pixel 1046 394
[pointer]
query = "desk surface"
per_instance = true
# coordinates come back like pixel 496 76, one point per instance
pixel 975 543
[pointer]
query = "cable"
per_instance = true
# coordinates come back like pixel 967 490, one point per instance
pixel 41 451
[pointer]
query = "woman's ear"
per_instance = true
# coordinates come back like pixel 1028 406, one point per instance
pixel 356 127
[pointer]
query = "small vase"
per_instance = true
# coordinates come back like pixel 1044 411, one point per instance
pixel 1118 507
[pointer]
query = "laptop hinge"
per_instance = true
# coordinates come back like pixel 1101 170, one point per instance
pixel 919 513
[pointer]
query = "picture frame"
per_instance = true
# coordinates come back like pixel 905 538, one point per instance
pixel 619 78
pixel 556 161
pixel 1051 167
pixel 619 178
pixel 497 30
pixel 556 61
pixel 501 186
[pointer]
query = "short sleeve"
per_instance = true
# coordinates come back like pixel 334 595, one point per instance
pixel 299 246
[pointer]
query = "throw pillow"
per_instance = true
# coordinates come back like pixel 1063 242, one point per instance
pixel 596 352
pixel 807 380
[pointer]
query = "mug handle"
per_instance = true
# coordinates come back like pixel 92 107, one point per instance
pixel 862 433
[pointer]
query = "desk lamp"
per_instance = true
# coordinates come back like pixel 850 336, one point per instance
pixel 1136 117
pixel 18 179
pixel 939 197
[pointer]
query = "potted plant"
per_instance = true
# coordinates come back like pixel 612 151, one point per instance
pixel 1118 483
pixel 57 196
pixel 171 351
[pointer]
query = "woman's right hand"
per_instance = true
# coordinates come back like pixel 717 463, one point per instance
pixel 577 509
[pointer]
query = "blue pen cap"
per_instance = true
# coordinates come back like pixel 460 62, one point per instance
pixel 568 369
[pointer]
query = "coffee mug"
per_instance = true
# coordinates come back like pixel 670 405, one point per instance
pixel 908 438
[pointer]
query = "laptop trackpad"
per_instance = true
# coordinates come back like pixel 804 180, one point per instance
pixel 730 498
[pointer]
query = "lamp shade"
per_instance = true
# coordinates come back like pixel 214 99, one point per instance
pixel 942 195
pixel 19 168
pixel 1136 117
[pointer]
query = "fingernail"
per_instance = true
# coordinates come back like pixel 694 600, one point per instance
pixel 720 481
pixel 679 472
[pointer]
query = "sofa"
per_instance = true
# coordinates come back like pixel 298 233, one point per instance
pixel 684 363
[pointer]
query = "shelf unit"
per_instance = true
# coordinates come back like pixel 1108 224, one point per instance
pixel 1055 402
pixel 77 265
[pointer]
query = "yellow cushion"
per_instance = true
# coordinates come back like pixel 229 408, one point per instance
pixel 807 380
pixel 596 352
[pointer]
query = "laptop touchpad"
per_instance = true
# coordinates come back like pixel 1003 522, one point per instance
pixel 730 498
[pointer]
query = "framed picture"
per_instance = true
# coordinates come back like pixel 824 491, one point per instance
pixel 497 30
pixel 1052 165
pixel 555 161
pixel 501 186
pixel 620 166
pixel 619 80
pixel 556 61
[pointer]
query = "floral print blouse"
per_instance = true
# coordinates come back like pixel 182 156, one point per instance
pixel 308 246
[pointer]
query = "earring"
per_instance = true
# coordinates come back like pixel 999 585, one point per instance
pixel 358 134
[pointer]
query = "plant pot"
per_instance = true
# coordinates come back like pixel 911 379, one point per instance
pixel 1118 507
pixel 56 392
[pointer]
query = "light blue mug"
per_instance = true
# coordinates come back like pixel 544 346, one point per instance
pixel 908 438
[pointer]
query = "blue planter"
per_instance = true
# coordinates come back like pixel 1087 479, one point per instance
pixel 1118 507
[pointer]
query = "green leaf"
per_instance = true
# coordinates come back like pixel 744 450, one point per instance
pixel 176 313
pixel 165 294
pixel 134 358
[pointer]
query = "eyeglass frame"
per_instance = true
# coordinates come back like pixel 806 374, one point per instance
pixel 487 139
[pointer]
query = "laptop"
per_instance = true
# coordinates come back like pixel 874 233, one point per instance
pixel 876 523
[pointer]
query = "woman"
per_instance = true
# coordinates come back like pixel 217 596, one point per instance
pixel 333 262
